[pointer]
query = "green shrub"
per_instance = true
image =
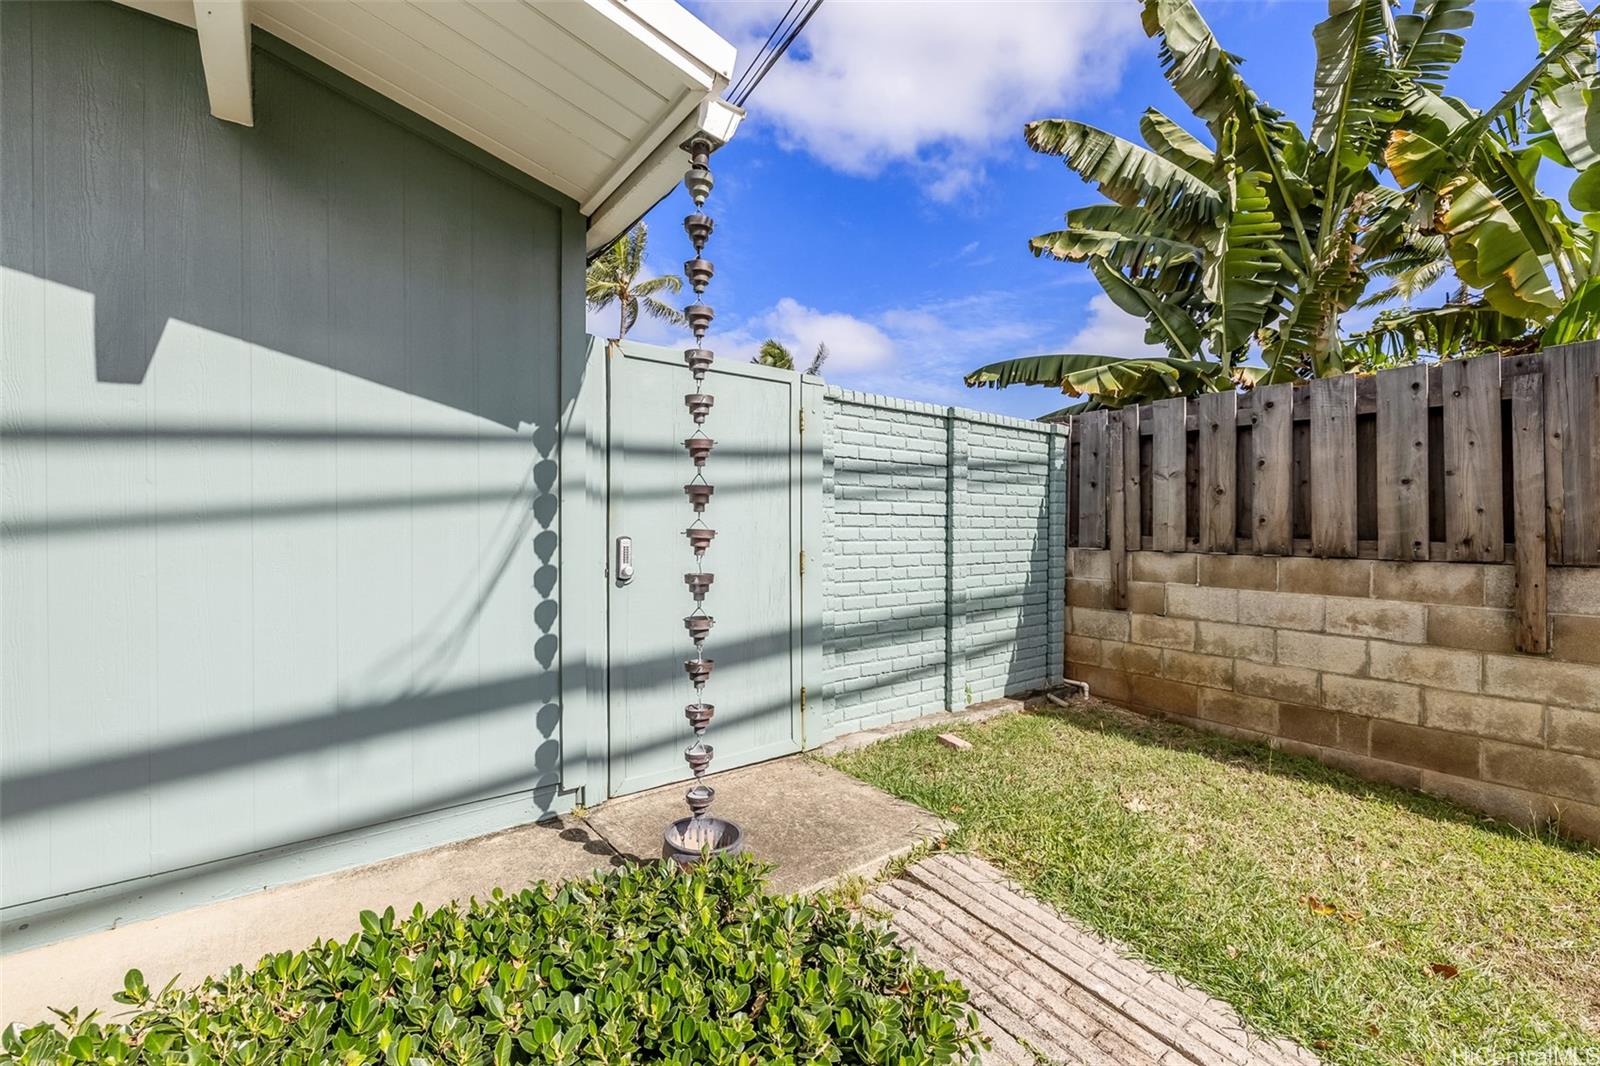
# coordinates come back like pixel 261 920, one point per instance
pixel 640 965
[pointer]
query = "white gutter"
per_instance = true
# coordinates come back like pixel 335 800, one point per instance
pixel 658 174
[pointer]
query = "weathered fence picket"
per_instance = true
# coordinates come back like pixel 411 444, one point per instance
pixel 1528 505
pixel 1572 452
pixel 1169 475
pixel 1272 447
pixel 1219 436
pixel 1117 506
pixel 1474 511
pixel 1091 429
pixel 1403 463
pixel 1475 460
pixel 1333 462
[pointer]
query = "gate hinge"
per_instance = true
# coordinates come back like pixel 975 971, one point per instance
pixel 802 420
pixel 802 699
pixel 802 563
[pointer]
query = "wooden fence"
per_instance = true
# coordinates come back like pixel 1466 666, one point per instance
pixel 1471 460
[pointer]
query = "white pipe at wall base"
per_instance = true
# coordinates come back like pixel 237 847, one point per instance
pixel 1081 686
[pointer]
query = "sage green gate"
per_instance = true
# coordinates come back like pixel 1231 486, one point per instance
pixel 767 481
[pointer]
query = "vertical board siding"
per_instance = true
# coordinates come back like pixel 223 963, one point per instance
pixel 1572 452
pixel 1168 476
pixel 1090 430
pixel 294 392
pixel 1272 448
pixel 1403 463
pixel 1219 435
pixel 1474 514
pixel 1333 467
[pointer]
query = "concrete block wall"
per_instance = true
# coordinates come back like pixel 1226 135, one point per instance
pixel 944 531
pixel 1401 672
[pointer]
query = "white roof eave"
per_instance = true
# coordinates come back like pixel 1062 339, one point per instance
pixel 685 62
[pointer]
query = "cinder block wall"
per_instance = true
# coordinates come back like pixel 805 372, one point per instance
pixel 1402 672
pixel 944 531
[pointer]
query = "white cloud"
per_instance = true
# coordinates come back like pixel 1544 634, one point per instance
pixel 1111 331
pixel 871 84
pixel 854 344
pixel 919 352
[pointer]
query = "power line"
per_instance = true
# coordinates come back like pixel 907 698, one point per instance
pixel 765 59
pixel 748 67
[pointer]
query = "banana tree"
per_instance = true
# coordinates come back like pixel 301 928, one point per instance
pixel 1528 269
pixel 1254 246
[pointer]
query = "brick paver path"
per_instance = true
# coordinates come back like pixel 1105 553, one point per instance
pixel 1048 989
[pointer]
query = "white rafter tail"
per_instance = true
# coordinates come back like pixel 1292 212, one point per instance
pixel 224 28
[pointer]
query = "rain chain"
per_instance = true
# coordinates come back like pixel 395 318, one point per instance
pixel 687 838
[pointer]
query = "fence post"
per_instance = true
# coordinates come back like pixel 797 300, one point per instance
pixel 1056 485
pixel 1116 488
pixel 954 593
pixel 1528 513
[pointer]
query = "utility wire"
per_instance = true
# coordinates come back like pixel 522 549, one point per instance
pixel 739 81
pixel 760 66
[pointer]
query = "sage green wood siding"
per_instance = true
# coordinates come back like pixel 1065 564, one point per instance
pixel 279 432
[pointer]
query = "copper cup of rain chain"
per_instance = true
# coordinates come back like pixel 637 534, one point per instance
pixel 699 360
pixel 699 627
pixel 699 584
pixel 699 797
pixel 699 494
pixel 699 538
pixel 698 227
pixel 699 316
pixel 699 449
pixel 698 756
pixel 699 405
pixel 699 272
pixel 699 670
pixel 699 715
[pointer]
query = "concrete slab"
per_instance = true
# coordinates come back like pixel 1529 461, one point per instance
pixel 817 824
pixel 88 970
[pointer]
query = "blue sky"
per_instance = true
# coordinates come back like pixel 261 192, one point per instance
pixel 879 196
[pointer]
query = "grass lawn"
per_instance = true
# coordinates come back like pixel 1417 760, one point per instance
pixel 1369 923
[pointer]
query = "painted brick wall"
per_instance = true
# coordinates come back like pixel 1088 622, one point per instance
pixel 943 530
pixel 1403 672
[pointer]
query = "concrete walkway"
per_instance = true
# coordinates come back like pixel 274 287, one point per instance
pixel 1049 989
pixel 817 824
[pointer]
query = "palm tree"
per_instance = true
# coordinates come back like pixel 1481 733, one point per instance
pixel 776 355
pixel 613 278
pixel 1257 243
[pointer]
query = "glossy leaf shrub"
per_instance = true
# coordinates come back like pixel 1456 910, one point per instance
pixel 642 964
